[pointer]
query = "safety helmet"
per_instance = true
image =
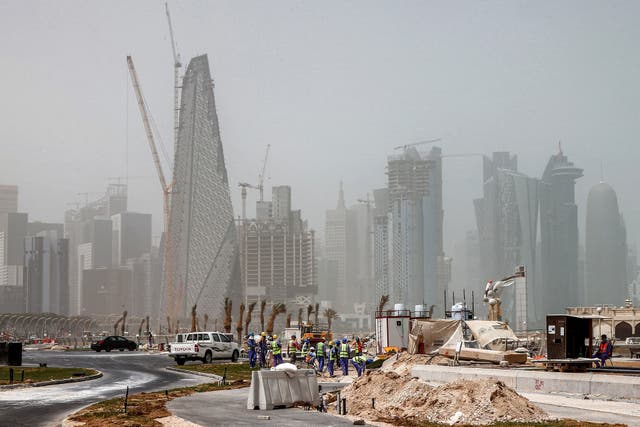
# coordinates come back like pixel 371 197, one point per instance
pixel 263 334
pixel 312 348
pixel 357 339
pixel 337 342
pixel 293 336
pixel 275 336
pixel 250 334
pixel 344 340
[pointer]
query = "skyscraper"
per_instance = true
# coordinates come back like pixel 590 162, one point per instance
pixel 558 287
pixel 507 217
pixel 606 249
pixel 8 199
pixel 336 253
pixel 416 217
pixel 203 264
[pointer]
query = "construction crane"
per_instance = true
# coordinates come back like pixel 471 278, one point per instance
pixel 429 141
pixel 170 296
pixel 177 64
pixel 244 186
pixel 261 176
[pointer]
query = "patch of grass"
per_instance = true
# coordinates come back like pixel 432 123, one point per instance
pixel 36 375
pixel 142 408
pixel 235 371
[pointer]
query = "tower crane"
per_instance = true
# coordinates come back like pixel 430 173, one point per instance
pixel 169 292
pixel 244 186
pixel 429 141
pixel 177 64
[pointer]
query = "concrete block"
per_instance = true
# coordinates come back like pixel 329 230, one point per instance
pixel 616 386
pixel 553 382
pixel 277 388
pixel 253 400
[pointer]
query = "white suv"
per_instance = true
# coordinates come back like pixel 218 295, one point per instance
pixel 204 346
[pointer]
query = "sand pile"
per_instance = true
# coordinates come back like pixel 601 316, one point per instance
pixel 400 397
pixel 402 363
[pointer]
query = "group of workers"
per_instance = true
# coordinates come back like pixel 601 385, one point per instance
pixel 327 351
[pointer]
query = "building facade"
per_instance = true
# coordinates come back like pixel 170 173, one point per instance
pixel 335 252
pixel 606 280
pixel 558 284
pixel 204 267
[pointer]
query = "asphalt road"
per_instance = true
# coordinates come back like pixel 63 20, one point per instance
pixel 48 406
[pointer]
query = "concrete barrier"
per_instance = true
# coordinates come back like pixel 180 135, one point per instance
pixel 270 389
pixel 525 381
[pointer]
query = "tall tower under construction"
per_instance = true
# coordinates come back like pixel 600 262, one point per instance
pixel 204 258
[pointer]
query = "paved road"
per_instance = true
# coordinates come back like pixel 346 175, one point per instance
pixel 47 406
pixel 229 408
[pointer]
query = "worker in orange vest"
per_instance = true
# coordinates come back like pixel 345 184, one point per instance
pixel 604 351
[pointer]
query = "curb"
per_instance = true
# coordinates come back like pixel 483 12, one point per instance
pixel 52 382
pixel 202 374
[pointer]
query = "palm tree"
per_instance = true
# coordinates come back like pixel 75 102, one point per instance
pixel 263 305
pixel 384 299
pixel 239 323
pixel 227 315
pixel 309 311
pixel 194 313
pixel 289 320
pixel 206 320
pixel 330 314
pixel 168 324
pixel 247 322
pixel 275 311
pixel 300 316
pixel 316 313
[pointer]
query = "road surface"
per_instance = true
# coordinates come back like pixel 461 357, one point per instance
pixel 49 405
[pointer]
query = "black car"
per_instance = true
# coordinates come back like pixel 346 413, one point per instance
pixel 114 343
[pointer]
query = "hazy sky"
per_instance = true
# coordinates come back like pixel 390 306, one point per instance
pixel 333 86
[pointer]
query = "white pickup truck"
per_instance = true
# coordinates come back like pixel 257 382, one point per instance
pixel 204 346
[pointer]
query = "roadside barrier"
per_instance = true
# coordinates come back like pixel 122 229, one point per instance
pixel 272 389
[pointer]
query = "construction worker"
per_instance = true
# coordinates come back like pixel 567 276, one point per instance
pixel 311 357
pixel 604 351
pixel 251 345
pixel 357 346
pixel 305 347
pixel 292 348
pixel 320 355
pixel 333 356
pixel 358 362
pixel 344 357
pixel 263 350
pixel 276 350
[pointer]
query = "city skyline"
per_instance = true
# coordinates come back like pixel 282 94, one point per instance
pixel 542 94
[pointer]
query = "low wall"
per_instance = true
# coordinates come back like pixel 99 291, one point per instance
pixel 613 386
pixel 270 389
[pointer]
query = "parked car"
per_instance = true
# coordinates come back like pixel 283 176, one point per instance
pixel 114 343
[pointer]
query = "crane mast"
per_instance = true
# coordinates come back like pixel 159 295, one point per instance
pixel 261 176
pixel 169 292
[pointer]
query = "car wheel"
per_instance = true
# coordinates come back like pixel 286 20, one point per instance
pixel 207 357
pixel 107 350
pixel 180 361
pixel 121 349
pixel 235 356
pixel 98 350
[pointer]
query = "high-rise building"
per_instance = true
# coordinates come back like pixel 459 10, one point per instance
pixel 281 203
pixel 203 263
pixel 8 199
pixel 131 236
pixel 415 228
pixel 507 219
pixel 606 249
pixel 558 284
pixel 335 240
pixel 46 279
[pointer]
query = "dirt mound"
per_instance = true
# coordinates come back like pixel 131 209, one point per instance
pixel 402 363
pixel 400 397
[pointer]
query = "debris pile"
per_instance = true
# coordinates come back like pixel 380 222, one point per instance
pixel 391 394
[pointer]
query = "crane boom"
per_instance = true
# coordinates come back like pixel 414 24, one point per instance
pixel 261 176
pixel 171 297
pixel 177 64
pixel 145 120
pixel 429 141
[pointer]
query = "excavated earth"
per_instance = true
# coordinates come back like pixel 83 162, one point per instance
pixel 392 394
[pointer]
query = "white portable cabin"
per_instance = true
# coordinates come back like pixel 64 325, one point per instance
pixel 393 327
